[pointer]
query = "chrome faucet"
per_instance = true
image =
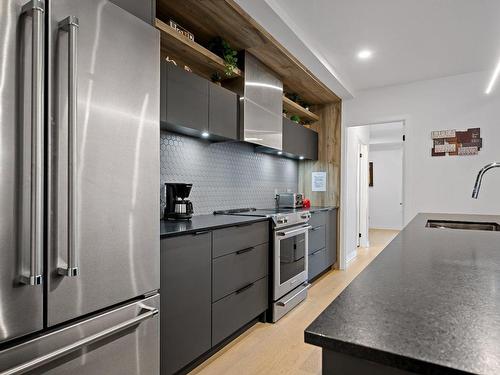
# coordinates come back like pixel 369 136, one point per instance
pixel 479 178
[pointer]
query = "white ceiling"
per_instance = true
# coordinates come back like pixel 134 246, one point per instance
pixel 412 40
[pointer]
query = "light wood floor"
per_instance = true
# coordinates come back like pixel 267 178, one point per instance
pixel 280 348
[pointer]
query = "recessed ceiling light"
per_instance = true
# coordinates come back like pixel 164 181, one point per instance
pixel 493 79
pixel 365 54
pixel 205 134
pixel 301 157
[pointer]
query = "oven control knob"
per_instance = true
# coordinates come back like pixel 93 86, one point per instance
pixel 281 220
pixel 306 216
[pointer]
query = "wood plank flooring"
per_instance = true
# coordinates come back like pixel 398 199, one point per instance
pixel 280 348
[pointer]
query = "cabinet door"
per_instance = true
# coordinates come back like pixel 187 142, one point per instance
pixel 299 140
pixel 332 236
pixel 185 300
pixel 223 112
pixel 144 9
pixel 185 99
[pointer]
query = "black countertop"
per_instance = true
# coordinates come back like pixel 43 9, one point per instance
pixel 203 222
pixel 169 228
pixel 429 303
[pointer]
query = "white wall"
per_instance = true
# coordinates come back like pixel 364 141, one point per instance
pixel 438 184
pixel 432 184
pixel 355 136
pixel 386 193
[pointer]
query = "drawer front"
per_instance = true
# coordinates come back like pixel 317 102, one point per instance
pixel 317 238
pixel 234 271
pixel 318 218
pixel 318 262
pixel 234 311
pixel 232 239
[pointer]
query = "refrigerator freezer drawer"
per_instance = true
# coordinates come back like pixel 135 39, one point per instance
pixel 123 341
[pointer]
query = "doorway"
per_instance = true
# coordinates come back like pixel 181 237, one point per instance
pixel 372 184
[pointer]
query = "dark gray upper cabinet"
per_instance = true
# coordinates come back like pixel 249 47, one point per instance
pixel 186 302
pixel 299 140
pixel 192 105
pixel 222 112
pixel 184 101
pixel 144 9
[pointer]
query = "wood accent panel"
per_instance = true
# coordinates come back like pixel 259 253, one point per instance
pixel 184 51
pixel 295 109
pixel 329 149
pixel 209 18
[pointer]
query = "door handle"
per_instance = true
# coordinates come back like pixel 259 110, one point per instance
pixel 70 25
pixel 302 229
pixel 149 312
pixel 306 286
pixel 36 9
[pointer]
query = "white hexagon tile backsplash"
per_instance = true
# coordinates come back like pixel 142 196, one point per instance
pixel 224 174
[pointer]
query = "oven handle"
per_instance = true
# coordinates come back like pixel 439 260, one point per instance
pixel 284 303
pixel 302 229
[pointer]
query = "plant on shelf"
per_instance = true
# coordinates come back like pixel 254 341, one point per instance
pixel 216 78
pixel 295 118
pixel 222 49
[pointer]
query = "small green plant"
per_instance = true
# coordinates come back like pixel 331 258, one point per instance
pixel 222 48
pixel 295 118
pixel 216 77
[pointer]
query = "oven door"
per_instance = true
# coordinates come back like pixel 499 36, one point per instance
pixel 290 258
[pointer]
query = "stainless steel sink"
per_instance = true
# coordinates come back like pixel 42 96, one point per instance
pixel 468 225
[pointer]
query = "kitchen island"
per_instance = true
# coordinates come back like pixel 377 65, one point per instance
pixel 429 303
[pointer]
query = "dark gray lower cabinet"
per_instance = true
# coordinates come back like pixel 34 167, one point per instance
pixel 234 311
pixel 212 284
pixel 234 271
pixel 322 242
pixel 186 302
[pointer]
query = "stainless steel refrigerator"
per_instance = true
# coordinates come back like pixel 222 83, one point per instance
pixel 79 189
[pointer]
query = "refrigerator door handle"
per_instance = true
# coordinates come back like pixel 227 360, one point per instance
pixel 70 25
pixel 148 312
pixel 36 9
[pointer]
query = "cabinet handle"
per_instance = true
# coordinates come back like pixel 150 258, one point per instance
pixel 241 290
pixel 36 9
pixel 316 228
pixel 242 251
pixel 201 232
pixel 316 252
pixel 70 25
pixel 243 225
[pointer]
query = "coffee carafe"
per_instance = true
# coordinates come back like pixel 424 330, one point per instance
pixel 178 207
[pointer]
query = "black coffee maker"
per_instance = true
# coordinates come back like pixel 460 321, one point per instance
pixel 178 206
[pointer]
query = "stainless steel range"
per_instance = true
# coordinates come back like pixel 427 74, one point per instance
pixel 290 240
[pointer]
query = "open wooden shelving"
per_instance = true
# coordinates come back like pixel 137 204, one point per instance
pixel 293 108
pixel 187 52
pixel 210 18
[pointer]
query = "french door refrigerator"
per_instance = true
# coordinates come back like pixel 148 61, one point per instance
pixel 79 193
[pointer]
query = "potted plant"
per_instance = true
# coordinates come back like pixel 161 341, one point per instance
pixel 295 118
pixel 222 49
pixel 216 78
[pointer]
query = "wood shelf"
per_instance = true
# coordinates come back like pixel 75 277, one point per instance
pixel 187 52
pixel 210 18
pixel 293 108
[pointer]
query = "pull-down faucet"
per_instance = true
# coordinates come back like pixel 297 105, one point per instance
pixel 479 178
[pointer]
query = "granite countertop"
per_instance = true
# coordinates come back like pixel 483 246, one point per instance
pixel 429 303
pixel 169 228
pixel 203 222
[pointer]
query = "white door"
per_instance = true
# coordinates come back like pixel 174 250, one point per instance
pixel 386 194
